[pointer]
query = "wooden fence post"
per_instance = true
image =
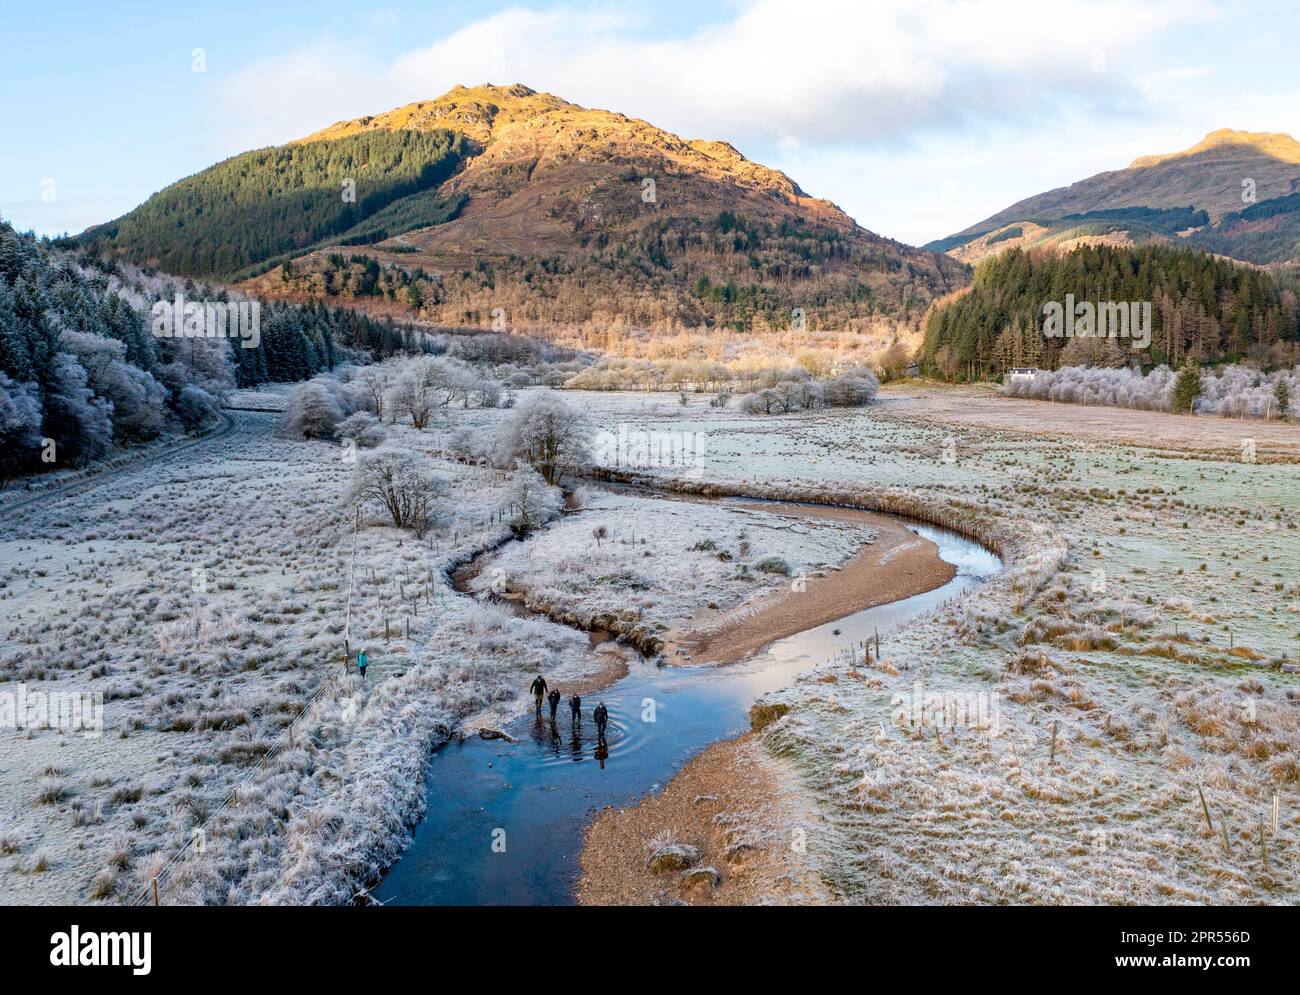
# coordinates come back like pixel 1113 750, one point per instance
pixel 1205 808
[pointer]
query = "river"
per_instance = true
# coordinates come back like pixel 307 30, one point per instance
pixel 505 822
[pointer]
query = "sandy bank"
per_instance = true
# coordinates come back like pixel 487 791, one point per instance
pixel 897 565
pixel 734 806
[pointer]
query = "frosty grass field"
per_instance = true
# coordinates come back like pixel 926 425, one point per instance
pixel 1149 601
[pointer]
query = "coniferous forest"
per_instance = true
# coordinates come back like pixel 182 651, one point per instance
pixel 79 364
pixel 1204 308
pixel 255 207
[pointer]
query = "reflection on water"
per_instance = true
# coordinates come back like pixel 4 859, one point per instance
pixel 542 792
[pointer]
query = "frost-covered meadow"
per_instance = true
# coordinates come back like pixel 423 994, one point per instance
pixel 1156 652
pixel 645 568
pixel 205 598
pixel 206 601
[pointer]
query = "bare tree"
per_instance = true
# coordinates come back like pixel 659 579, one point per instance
pixel 375 381
pixel 403 484
pixel 548 434
pixel 411 397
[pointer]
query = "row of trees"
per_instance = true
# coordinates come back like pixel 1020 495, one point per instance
pixel 536 444
pixel 795 390
pixel 1231 392
pixel 79 367
pixel 744 374
pixel 416 389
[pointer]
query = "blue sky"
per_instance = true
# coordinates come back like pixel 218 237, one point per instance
pixel 916 117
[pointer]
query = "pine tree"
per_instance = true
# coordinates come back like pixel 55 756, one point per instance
pixel 1282 391
pixel 1187 388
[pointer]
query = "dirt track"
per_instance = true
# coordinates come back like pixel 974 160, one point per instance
pixel 981 407
pixel 96 476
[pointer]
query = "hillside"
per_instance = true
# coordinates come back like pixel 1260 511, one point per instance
pixel 278 201
pixel 1193 197
pixel 504 202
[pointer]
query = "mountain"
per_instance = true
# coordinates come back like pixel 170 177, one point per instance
pixel 505 205
pixel 1200 197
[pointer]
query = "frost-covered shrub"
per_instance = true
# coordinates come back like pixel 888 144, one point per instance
pixel 469 445
pixel 761 402
pixel 852 389
pixel 315 408
pixel 195 407
pixel 773 565
pixel 361 427
pixel 799 393
pixel 535 501
pixel 83 422
pixel 20 426
pixel 135 396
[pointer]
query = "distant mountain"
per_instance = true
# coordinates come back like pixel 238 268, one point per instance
pixel 1235 193
pixel 504 203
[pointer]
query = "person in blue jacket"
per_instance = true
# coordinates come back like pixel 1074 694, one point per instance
pixel 362 662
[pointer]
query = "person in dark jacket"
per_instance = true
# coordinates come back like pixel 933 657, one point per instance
pixel 553 699
pixel 575 706
pixel 539 691
pixel 601 715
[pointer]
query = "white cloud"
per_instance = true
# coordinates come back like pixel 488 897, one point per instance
pixel 781 79
pixel 816 71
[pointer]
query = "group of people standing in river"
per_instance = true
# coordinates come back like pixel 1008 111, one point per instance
pixel 601 713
